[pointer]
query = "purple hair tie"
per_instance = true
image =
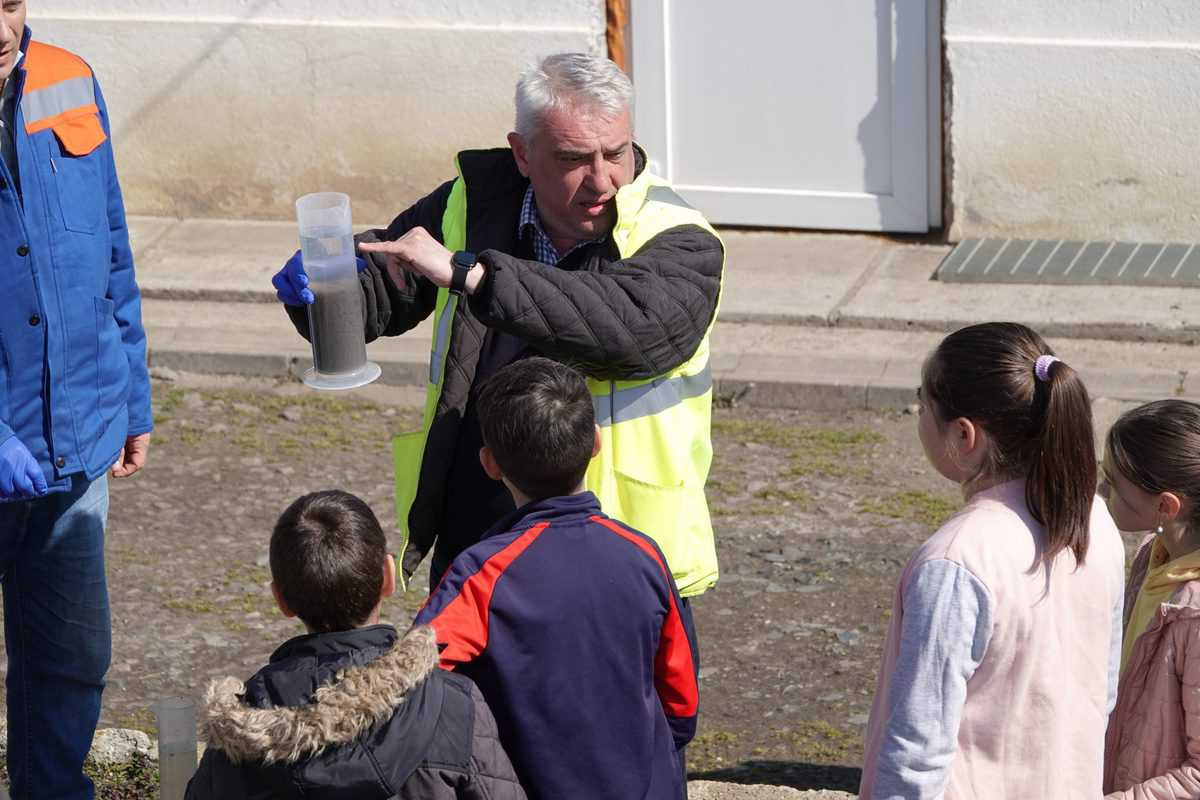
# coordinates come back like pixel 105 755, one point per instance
pixel 1041 368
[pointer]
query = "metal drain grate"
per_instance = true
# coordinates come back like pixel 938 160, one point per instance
pixel 1071 262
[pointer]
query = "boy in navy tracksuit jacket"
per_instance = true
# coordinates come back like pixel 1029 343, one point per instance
pixel 568 621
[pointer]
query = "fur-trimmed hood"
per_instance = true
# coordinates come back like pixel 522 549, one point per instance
pixel 357 699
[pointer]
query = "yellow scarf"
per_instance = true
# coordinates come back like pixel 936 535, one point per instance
pixel 1162 579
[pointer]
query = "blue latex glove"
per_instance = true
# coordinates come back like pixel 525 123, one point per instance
pixel 291 282
pixel 20 476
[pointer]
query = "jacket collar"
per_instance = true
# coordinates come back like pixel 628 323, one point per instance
pixel 360 698
pixel 550 509
pixel 306 663
pixel 1186 596
pixel 319 645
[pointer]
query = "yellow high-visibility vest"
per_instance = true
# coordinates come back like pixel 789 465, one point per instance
pixel 656 447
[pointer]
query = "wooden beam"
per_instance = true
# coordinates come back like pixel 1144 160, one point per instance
pixel 616 22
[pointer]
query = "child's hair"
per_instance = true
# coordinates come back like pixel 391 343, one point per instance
pixel 1157 447
pixel 1041 430
pixel 327 560
pixel 536 417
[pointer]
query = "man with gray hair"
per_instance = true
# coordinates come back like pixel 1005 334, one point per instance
pixel 560 245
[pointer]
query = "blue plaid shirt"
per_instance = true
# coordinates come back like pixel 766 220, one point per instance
pixel 530 223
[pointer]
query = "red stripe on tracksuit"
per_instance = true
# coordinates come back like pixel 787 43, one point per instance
pixel 463 623
pixel 674 670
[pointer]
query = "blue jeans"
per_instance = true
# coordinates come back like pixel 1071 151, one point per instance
pixel 58 634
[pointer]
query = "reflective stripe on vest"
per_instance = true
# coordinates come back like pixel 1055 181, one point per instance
pixel 441 341
pixel 665 194
pixel 647 399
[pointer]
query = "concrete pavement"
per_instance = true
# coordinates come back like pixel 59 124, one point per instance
pixel 807 320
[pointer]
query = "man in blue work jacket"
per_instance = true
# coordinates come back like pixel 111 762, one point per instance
pixel 74 401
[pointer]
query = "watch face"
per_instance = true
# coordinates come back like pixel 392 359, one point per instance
pixel 464 258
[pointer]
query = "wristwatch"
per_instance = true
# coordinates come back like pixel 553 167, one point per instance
pixel 462 262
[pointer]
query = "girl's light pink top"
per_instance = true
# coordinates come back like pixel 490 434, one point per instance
pixel 998 674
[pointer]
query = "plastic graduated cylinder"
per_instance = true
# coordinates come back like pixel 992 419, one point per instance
pixel 335 316
pixel 176 718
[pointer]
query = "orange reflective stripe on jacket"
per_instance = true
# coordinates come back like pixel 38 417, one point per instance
pixel 59 94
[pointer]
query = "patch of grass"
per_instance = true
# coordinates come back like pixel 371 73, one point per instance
pixel 813 451
pixel 818 742
pixel 247 574
pixel 248 604
pixel 141 719
pixel 136 779
pixel 921 507
pixel 773 494
pixel 129 556
pixel 775 500
pixel 810 465
pixel 753 430
pixel 253 422
pixel 831 452
pixel 311 405
pixel 724 487
pixel 191 436
pixel 711 750
pixel 190 605
pixel 248 439
pixel 166 403
pixel 726 511
pixel 289 444
pixel 402 606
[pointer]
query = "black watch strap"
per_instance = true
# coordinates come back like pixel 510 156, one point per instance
pixel 462 262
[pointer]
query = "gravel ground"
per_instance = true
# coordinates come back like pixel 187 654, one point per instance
pixel 815 514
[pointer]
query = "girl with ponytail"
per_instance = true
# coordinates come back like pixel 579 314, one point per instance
pixel 1000 664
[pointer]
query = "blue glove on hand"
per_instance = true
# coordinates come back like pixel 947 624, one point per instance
pixel 291 282
pixel 20 476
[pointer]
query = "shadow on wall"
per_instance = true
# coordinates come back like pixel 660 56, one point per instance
pixel 875 131
pixel 793 774
pixel 173 83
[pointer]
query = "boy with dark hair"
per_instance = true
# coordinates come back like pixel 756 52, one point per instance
pixel 569 621
pixel 351 709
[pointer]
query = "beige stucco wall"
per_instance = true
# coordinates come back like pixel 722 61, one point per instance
pixel 1074 118
pixel 233 108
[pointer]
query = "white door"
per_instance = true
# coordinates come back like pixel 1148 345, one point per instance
pixel 792 113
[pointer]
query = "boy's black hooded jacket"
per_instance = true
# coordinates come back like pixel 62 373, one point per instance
pixel 357 714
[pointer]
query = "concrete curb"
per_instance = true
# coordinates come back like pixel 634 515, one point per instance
pixel 1111 331
pixel 833 394
pixel 272 365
